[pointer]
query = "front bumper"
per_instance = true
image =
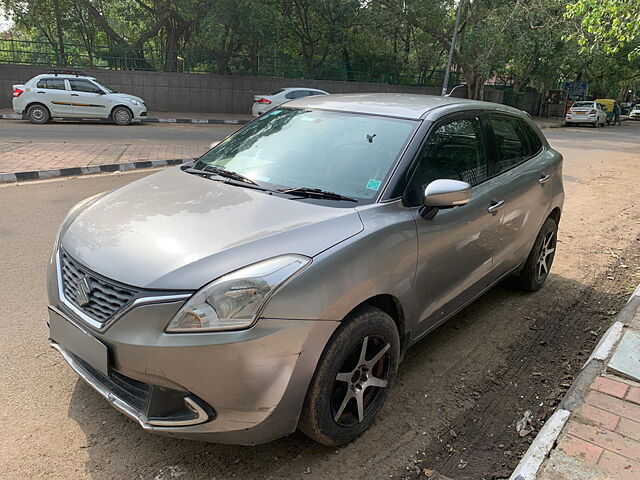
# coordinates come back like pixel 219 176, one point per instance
pixel 249 385
pixel 139 111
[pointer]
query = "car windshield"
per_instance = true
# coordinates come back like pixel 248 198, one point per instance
pixel 343 153
pixel 583 104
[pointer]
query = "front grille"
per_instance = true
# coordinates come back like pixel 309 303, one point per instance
pixel 105 298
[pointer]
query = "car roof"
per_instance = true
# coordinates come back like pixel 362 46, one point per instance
pixel 62 75
pixel 401 105
pixel 288 89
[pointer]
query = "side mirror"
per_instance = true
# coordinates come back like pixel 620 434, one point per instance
pixel 444 193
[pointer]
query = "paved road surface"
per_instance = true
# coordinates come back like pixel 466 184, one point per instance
pixel 458 394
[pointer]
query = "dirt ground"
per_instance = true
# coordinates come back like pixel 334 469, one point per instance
pixel 459 392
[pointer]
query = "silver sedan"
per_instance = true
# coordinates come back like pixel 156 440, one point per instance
pixel 277 282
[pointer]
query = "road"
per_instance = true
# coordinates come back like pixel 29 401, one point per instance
pixel 458 394
pixel 91 133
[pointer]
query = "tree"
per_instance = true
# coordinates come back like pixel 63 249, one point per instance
pixel 607 24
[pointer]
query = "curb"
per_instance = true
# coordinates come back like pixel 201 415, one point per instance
pixel 544 442
pixel 216 121
pixel 87 170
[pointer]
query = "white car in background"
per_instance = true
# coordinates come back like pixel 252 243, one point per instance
pixel 264 103
pixel 634 114
pixel 74 95
pixel 586 112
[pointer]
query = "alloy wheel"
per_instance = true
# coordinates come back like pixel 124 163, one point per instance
pixel 543 265
pixel 362 376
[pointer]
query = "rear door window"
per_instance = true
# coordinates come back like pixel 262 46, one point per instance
pixel 511 142
pixel 51 84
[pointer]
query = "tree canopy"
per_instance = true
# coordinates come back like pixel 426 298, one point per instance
pixel 519 43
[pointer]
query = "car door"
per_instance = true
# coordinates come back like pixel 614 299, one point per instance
pixel 53 93
pixel 87 99
pixel 524 170
pixel 455 248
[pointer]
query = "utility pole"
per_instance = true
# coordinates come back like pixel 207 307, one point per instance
pixel 445 84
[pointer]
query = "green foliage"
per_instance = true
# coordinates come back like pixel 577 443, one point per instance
pixel 608 25
pixel 520 43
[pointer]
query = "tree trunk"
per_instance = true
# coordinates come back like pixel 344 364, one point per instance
pixel 62 60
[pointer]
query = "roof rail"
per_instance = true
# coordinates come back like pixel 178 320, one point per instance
pixel 57 72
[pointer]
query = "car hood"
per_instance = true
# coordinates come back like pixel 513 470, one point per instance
pixel 178 231
pixel 124 96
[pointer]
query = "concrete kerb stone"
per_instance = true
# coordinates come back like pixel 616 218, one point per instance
pixel 544 442
pixel 87 170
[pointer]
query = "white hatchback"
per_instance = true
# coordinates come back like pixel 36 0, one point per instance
pixel 586 112
pixel 264 103
pixel 634 114
pixel 64 95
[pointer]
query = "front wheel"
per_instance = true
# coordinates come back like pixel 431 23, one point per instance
pixel 353 378
pixel 538 265
pixel 122 116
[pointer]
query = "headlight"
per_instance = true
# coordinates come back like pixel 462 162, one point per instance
pixel 135 101
pixel 234 301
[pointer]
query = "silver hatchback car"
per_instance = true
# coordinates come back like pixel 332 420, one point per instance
pixel 276 282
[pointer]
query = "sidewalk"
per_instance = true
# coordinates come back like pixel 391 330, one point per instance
pixel 25 157
pixel 595 433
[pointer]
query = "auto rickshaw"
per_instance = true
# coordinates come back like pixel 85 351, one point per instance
pixel 607 103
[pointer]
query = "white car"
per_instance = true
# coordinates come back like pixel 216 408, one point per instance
pixel 74 95
pixel 264 103
pixel 586 112
pixel 634 114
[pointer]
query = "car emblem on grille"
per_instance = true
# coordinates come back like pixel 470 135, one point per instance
pixel 82 291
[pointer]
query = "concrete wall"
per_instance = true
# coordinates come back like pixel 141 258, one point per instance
pixel 186 92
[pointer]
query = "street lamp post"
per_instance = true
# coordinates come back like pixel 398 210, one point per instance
pixel 445 84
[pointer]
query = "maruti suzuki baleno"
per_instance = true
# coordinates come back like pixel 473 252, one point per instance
pixel 276 282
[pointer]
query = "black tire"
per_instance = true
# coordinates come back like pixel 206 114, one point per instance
pixel 330 414
pixel 122 116
pixel 38 114
pixel 534 273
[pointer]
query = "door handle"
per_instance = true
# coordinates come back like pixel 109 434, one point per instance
pixel 495 206
pixel 75 95
pixel 41 92
pixel 544 179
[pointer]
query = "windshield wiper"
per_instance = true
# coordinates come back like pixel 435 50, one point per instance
pixel 315 193
pixel 226 176
pixel 229 174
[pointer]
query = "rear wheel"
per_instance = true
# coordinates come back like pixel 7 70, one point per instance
pixel 38 114
pixel 353 378
pixel 538 265
pixel 122 116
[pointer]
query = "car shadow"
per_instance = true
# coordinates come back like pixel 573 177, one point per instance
pixel 440 380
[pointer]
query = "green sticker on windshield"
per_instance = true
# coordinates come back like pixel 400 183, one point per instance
pixel 274 112
pixel 373 184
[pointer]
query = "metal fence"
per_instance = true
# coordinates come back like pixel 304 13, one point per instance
pixel 117 57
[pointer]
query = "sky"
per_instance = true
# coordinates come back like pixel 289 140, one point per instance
pixel 4 23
